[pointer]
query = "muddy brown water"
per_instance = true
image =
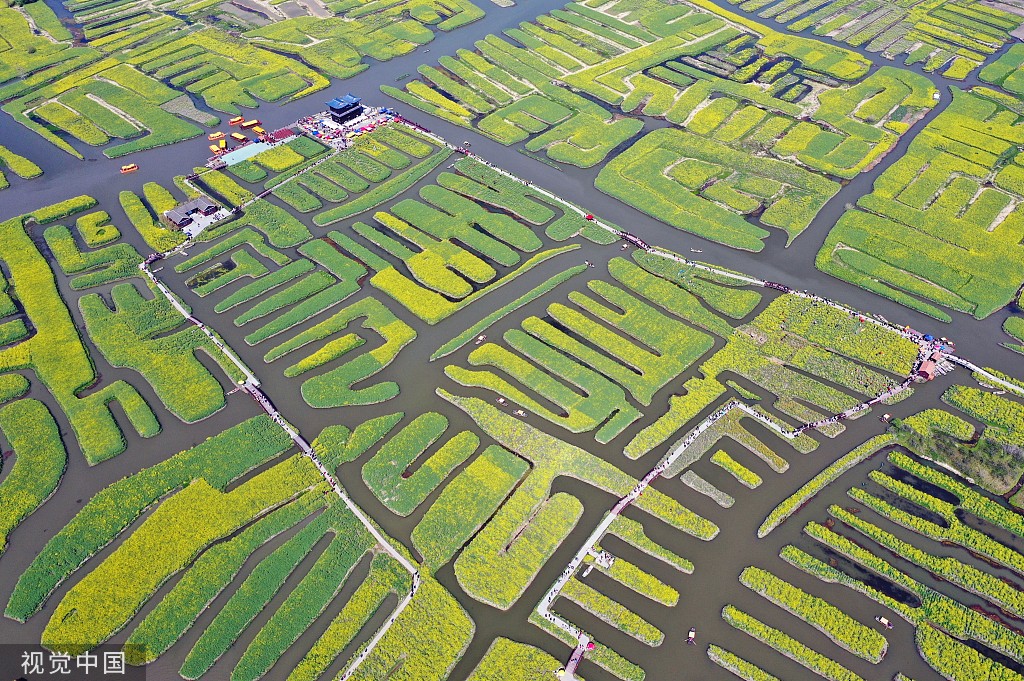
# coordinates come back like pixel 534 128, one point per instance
pixel 717 564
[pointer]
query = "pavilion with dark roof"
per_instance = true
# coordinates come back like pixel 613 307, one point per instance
pixel 344 109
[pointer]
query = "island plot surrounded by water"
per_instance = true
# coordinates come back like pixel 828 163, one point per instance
pixel 716 375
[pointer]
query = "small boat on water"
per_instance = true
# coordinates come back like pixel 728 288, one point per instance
pixel 696 250
pixel 884 622
pixel 130 168
pixel 519 412
pixel 214 136
pixel 691 638
pixel 502 400
pixel 237 120
pixel 480 339
pixel 402 77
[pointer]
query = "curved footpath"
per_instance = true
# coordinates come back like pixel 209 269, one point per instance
pixel 252 385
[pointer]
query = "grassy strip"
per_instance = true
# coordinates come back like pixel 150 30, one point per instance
pixel 601 655
pixel 826 477
pixel 639 581
pixel 935 609
pixel 308 308
pixel 257 288
pixel 525 299
pixel 387 472
pixel 334 388
pixel 256 591
pixel 743 475
pixel 165 543
pixel 178 611
pixel 303 289
pixel 615 614
pixel 427 639
pixel 306 602
pixel 39 464
pixel 970 578
pixel 19 165
pixel 955 532
pixel 383 192
pixel 842 629
pixel 502 560
pixel 432 307
pixel 219 460
pixel 632 532
pixel 738 666
pixel 788 646
pixel 466 504
pixel 386 577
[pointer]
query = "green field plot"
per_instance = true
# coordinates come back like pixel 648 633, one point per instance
pixel 987 458
pixel 101 266
pixel 612 612
pixel 333 388
pixel 791 504
pixel 24 52
pixel 146 222
pixel 847 632
pixel 19 165
pixel 136 335
pixel 504 547
pixel 443 243
pixel 652 349
pixel 795 349
pixel 920 506
pixel 89 614
pixel 787 645
pixel 116 102
pixel 388 473
pixel 466 504
pixel 508 660
pixel 247 73
pixel 56 353
pixel 38 468
pixel 336 46
pixel 754 143
pixel 951 37
pixel 914 241
pixel 219 461
pixel 648 176
pixel 1005 71
pixel 935 609
pixel 535 366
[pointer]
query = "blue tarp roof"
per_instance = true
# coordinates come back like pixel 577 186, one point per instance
pixel 242 153
pixel 342 102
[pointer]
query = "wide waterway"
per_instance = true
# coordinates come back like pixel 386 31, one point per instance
pixel 717 565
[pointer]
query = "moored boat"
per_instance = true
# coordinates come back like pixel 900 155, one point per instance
pixel 214 136
pixel 236 120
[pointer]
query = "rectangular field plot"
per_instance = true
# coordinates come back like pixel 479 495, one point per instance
pixel 942 227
